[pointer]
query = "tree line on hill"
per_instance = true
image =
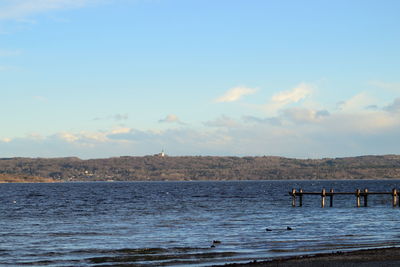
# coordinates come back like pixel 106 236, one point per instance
pixel 193 168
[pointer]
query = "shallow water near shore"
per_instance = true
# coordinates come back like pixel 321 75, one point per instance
pixel 175 223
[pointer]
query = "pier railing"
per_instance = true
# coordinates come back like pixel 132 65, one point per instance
pixel 358 194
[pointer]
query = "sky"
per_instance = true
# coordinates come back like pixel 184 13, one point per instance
pixel 109 78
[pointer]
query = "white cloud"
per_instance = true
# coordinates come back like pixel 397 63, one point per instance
pixel 171 118
pixel 121 130
pixel 35 136
pixel 295 95
pixel 271 120
pixel 223 121
pixel 116 117
pixel 282 99
pixel 362 124
pixel 394 87
pixel 121 117
pixel 86 138
pixel 68 137
pixel 184 141
pixel 302 115
pixel 394 107
pixel 234 94
pixel 357 103
pixel 323 135
pixel 298 130
pixel 94 137
pixel 20 9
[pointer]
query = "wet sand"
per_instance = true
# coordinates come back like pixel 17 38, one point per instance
pixel 370 258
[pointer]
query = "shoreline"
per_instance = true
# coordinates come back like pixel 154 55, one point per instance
pixel 50 180
pixel 365 257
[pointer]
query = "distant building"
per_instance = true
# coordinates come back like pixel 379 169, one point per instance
pixel 161 154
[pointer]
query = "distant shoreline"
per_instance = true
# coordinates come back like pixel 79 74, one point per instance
pixel 43 180
pixel 202 168
pixel 7 178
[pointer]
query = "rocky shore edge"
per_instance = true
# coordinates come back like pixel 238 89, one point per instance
pixel 366 258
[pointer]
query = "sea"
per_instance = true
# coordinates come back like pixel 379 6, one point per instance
pixel 187 223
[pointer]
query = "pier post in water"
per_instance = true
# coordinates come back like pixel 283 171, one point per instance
pixel 293 197
pixel 365 197
pixel 394 195
pixel 323 195
pixel 331 198
pixel 300 197
pixel 358 198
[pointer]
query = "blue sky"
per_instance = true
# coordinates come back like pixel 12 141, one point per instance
pixel 102 78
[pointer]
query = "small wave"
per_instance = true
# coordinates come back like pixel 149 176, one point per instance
pixel 31 195
pixel 157 256
pixel 69 234
pixel 4 252
pixel 43 263
pixel 15 234
pixel 136 250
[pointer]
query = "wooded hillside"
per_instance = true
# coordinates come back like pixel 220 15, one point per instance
pixel 155 168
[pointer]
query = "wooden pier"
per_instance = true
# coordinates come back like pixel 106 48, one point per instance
pixel 358 194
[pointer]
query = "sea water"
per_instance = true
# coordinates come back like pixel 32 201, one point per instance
pixel 187 223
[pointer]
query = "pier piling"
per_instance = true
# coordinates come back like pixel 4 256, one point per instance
pixel 300 197
pixel 323 195
pixel 365 197
pixel 293 197
pixel 358 202
pixel 394 195
pixel 331 198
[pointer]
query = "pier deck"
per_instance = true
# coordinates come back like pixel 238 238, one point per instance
pixel 357 193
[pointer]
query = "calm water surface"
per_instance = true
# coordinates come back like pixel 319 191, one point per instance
pixel 175 223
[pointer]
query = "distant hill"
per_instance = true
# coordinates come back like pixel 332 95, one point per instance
pixel 156 168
